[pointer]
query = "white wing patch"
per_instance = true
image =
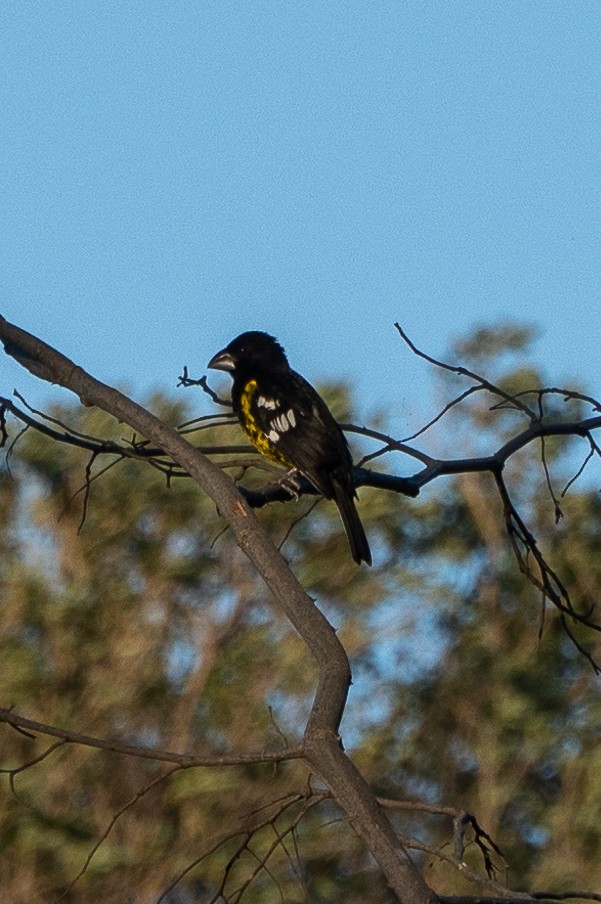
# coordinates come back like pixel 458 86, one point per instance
pixel 280 424
pixel 263 402
pixel 284 421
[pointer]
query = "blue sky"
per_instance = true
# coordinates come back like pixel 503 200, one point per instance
pixel 174 173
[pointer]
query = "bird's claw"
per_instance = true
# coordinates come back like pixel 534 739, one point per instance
pixel 291 482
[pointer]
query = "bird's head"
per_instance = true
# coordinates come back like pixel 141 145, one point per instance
pixel 253 349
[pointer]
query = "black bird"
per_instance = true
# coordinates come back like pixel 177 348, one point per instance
pixel 289 423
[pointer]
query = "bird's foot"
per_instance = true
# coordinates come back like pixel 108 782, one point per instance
pixel 291 482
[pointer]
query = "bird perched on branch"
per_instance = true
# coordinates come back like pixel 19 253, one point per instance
pixel 288 422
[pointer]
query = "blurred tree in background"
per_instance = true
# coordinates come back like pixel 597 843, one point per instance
pixel 145 624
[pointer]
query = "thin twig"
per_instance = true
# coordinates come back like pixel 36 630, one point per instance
pixel 116 816
pixel 165 756
pixel 513 401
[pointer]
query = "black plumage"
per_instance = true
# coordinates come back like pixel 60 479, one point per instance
pixel 288 422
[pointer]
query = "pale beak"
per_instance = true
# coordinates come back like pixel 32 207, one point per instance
pixel 222 361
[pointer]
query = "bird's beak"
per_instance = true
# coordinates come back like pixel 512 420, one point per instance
pixel 223 360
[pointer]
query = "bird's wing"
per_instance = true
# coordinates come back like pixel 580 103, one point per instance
pixel 301 427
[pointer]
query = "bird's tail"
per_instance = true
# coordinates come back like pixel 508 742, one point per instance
pixel 343 496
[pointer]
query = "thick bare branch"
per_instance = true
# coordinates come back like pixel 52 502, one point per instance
pixel 321 742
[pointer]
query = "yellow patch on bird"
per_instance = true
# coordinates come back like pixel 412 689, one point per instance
pixel 254 432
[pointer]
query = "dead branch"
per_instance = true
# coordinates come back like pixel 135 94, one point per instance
pixel 183 760
pixel 321 745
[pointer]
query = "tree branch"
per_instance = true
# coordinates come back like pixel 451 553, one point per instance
pixel 321 742
pixel 184 760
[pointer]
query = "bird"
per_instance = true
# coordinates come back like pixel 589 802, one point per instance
pixel 289 423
